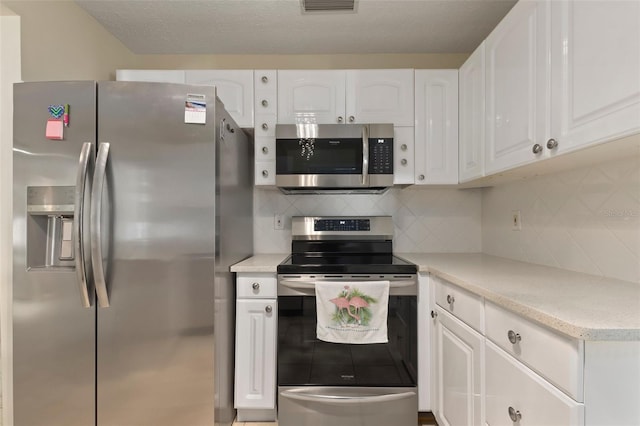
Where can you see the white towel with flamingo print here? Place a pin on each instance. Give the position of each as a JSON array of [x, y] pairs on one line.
[[352, 312]]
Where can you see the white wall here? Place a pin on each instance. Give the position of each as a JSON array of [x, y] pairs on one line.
[[9, 73], [426, 220], [585, 220]]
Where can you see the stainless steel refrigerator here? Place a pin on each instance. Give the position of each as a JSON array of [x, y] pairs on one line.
[[131, 201]]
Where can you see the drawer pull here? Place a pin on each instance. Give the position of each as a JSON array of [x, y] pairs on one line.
[[514, 415], [265, 79], [434, 314], [255, 286], [513, 337], [450, 299], [265, 103], [265, 150], [268, 309], [265, 126]]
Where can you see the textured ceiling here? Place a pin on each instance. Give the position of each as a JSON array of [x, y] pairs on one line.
[[280, 27]]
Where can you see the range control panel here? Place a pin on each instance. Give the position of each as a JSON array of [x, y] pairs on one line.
[[345, 225]]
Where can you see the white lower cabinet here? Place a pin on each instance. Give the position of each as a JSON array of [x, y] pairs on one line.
[[517, 395], [256, 338], [459, 376]]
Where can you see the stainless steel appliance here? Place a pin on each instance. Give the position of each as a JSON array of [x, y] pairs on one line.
[[121, 258], [346, 157], [328, 384]]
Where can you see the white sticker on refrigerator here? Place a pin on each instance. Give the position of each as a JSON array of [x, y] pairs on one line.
[[195, 109]]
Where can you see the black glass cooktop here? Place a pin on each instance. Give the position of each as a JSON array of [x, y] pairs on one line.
[[327, 263]]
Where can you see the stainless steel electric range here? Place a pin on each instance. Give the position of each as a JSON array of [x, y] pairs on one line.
[[331, 384]]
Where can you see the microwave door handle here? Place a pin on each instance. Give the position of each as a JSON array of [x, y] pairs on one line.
[[365, 156]]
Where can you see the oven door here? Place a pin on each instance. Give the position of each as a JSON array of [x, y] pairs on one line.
[[329, 383]]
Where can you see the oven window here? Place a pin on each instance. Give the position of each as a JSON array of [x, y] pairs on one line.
[[323, 156], [305, 360]]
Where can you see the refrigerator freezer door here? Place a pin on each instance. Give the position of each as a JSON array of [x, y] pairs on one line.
[[155, 340], [53, 333]]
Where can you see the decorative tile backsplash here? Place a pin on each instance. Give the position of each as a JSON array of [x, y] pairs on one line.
[[586, 220], [425, 219]]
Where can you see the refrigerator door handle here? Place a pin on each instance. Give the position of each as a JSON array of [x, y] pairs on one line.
[[85, 168], [96, 232]]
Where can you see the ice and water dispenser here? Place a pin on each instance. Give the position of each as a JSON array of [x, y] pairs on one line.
[[50, 226]]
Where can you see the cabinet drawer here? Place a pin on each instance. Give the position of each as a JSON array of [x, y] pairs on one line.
[[256, 286], [265, 148], [557, 358], [461, 303], [265, 172], [512, 387], [265, 81], [265, 125]]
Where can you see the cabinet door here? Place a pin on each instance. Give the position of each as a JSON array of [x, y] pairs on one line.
[[380, 96], [436, 144], [255, 379], [154, 76], [233, 87], [595, 74], [311, 96], [403, 156], [517, 87], [514, 390], [471, 110], [459, 358]]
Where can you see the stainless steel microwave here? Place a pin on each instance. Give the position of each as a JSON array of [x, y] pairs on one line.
[[334, 157]]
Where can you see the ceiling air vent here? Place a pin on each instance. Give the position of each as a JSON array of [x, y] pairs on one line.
[[328, 5]]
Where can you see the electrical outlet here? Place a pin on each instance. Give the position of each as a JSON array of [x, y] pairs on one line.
[[516, 222], [278, 221]]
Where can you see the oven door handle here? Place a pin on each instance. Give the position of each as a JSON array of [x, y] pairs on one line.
[[345, 400], [305, 285]]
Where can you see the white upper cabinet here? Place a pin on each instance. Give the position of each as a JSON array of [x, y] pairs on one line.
[[517, 87], [560, 76], [346, 96], [154, 76], [436, 131], [311, 96], [595, 73], [380, 96], [234, 88], [472, 117]]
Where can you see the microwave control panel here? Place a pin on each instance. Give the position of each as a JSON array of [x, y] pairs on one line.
[[380, 156]]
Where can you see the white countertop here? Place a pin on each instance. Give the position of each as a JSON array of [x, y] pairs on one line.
[[583, 306], [260, 263]]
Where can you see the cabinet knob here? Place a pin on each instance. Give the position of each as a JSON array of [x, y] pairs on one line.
[[265, 150], [434, 314], [340, 119], [403, 161], [265, 126], [552, 143], [255, 286], [268, 309], [537, 148], [450, 299], [265, 173], [351, 119], [265, 103], [421, 177], [514, 415], [513, 337], [265, 79], [403, 147]]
